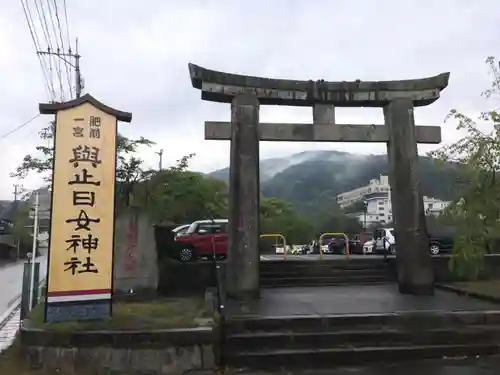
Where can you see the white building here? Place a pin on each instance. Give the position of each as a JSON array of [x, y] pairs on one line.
[[377, 195], [378, 211], [434, 206], [374, 188]]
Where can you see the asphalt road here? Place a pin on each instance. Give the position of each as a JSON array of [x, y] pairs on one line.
[[271, 256], [11, 279]]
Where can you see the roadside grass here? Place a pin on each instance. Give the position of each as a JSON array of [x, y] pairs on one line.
[[488, 288], [162, 313]]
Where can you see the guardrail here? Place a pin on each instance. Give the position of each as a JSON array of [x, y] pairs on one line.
[[276, 235], [320, 241], [12, 315]]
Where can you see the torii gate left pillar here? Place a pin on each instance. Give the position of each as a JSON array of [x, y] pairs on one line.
[[397, 98]]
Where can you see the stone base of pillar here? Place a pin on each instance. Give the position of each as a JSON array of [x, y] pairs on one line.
[[416, 289]]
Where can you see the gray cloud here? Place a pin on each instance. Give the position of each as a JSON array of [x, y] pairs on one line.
[[135, 55]]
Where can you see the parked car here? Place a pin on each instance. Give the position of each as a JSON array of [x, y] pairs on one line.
[[385, 241], [368, 247], [364, 237], [202, 239], [337, 246], [440, 244], [181, 229]]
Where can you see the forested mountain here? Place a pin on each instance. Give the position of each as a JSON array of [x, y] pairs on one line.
[[312, 179]]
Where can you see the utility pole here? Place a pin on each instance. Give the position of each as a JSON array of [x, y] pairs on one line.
[[160, 163], [76, 65], [17, 191], [35, 248]]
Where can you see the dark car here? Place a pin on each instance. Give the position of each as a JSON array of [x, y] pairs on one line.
[[337, 246], [440, 244]]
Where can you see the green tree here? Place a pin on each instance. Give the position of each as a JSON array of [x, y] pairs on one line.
[[21, 220], [130, 170], [278, 217], [476, 212], [178, 195]]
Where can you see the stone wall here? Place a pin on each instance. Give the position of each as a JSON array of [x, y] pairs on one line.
[[186, 278], [172, 352], [135, 256]]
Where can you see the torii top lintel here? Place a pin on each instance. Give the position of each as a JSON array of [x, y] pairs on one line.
[[53, 108], [222, 87]]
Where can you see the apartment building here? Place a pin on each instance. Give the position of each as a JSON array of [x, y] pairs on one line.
[[379, 210], [376, 187]]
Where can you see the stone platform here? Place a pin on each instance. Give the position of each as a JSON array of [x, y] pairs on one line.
[[356, 325], [451, 366], [351, 299]]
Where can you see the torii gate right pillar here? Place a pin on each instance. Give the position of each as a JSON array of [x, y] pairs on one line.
[[414, 265]]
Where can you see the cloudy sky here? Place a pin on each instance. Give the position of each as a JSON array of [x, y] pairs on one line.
[[135, 56]]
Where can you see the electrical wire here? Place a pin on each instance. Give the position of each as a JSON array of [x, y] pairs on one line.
[[58, 65], [10, 132], [62, 47], [46, 32], [36, 42]]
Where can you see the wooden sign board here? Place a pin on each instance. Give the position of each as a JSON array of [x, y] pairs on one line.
[[80, 266]]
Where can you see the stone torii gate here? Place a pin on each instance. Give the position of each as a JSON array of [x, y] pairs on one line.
[[397, 98]]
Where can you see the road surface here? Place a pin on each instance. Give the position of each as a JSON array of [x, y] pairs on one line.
[[312, 257], [11, 280]]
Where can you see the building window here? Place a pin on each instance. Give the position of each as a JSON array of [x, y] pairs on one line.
[[430, 206]]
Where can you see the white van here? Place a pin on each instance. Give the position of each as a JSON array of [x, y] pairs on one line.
[[384, 241]]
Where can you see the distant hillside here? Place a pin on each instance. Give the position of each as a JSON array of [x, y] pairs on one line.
[[312, 179]]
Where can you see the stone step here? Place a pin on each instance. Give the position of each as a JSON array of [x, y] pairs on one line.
[[413, 320], [316, 271], [335, 283], [329, 280], [321, 358], [258, 341], [307, 265]]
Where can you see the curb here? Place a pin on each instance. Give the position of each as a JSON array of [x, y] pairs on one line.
[[461, 292], [4, 318]]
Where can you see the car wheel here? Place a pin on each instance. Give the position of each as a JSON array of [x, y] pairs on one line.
[[435, 249], [186, 254]]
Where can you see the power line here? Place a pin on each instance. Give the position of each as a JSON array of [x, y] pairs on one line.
[[58, 65], [62, 47], [3, 136], [36, 43]]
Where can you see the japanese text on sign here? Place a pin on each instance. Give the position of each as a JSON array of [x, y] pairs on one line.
[[85, 157]]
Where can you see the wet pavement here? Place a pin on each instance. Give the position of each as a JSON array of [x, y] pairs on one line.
[[472, 366], [11, 280], [352, 299]]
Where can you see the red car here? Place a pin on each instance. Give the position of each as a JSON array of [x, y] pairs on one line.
[[203, 238]]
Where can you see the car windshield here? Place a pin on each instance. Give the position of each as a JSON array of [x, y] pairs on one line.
[[192, 228]]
